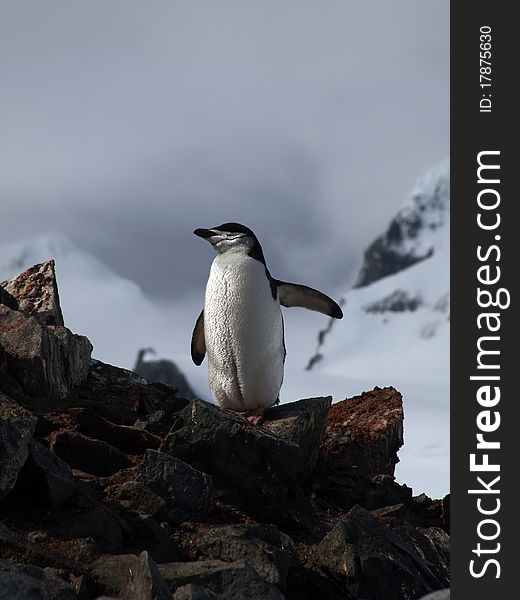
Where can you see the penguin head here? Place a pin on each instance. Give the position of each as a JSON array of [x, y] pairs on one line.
[[229, 237]]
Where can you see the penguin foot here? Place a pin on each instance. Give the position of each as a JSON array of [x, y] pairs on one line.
[[256, 416]]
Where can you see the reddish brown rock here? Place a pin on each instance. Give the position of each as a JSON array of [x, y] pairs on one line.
[[36, 292], [367, 431]]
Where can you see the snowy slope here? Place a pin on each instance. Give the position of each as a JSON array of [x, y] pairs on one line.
[[396, 330]]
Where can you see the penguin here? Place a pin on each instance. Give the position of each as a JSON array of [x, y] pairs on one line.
[[241, 326]]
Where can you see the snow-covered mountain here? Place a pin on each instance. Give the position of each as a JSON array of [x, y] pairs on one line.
[[396, 326], [406, 309], [419, 229]]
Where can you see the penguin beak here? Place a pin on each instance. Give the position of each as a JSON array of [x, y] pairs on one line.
[[204, 233]]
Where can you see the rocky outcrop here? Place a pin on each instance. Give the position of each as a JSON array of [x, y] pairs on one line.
[[118, 487], [366, 431], [36, 293], [46, 361], [357, 550], [410, 237], [187, 493]]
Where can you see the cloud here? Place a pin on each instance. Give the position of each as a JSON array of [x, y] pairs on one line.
[[128, 124]]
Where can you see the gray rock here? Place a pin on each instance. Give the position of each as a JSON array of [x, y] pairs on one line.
[[16, 428], [17, 585], [47, 361], [87, 455], [187, 492], [31, 583], [194, 592], [433, 546], [146, 582], [230, 581], [36, 293], [251, 466], [137, 496], [268, 550], [130, 576], [303, 423], [371, 561]]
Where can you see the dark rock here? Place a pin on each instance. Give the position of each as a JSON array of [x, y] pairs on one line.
[[186, 491], [46, 361], [159, 422], [125, 438], [268, 550], [46, 479], [230, 581], [143, 531], [123, 395], [14, 546], [433, 545], [397, 301], [253, 468], [163, 371], [91, 456], [54, 583], [130, 576], [15, 584], [194, 592], [7, 299], [366, 431], [31, 583], [303, 423], [95, 522], [425, 514], [137, 496], [16, 428], [146, 582], [36, 293], [371, 561]]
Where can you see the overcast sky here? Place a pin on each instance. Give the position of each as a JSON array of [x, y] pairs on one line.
[[127, 124]]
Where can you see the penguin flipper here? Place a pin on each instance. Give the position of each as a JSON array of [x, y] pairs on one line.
[[293, 294], [198, 343]]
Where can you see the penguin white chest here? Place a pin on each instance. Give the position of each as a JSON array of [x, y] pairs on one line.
[[243, 330]]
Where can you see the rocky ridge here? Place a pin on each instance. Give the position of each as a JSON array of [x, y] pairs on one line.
[[113, 486]]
